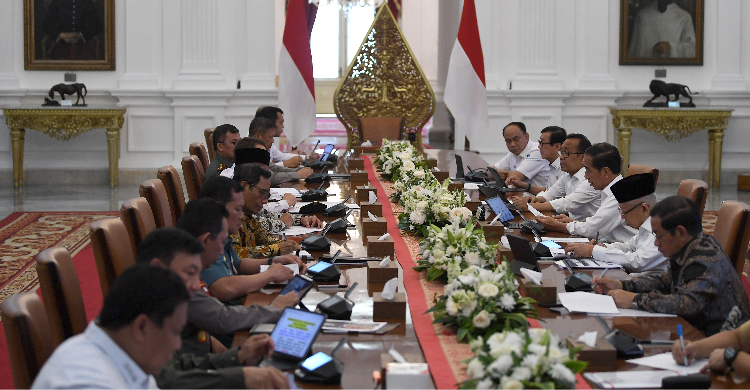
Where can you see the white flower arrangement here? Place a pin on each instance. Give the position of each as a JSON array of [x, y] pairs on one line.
[[410, 176], [432, 203], [395, 156], [452, 248], [532, 358], [480, 302]]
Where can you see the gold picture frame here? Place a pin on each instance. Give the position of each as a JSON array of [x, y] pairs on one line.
[[674, 43], [69, 34]]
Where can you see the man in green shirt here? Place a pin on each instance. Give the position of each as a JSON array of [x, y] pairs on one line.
[[225, 138]]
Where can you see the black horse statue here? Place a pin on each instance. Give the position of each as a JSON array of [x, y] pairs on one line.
[[70, 89]]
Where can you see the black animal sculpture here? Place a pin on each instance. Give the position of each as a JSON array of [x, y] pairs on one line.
[[50, 103], [70, 89], [660, 88]]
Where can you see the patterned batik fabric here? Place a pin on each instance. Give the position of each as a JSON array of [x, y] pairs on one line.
[[253, 241]]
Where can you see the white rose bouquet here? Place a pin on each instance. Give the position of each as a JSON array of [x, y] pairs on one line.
[[393, 155], [432, 204], [522, 359], [481, 302], [410, 176], [449, 250]]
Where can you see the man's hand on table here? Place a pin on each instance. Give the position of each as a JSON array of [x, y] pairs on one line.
[[580, 250], [521, 203], [287, 219], [716, 362], [254, 349], [305, 172], [311, 221], [278, 272], [290, 299], [690, 351], [622, 298], [553, 224], [516, 182], [503, 173], [604, 284], [264, 378], [290, 199], [534, 199], [293, 162], [287, 246], [291, 259]]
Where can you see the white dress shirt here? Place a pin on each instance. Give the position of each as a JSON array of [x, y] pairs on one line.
[[278, 156], [638, 254], [573, 195], [92, 360], [607, 222], [529, 162], [555, 173]]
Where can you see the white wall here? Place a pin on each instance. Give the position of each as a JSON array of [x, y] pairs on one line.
[[561, 57]]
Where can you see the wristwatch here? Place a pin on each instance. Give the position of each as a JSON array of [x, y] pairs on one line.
[[729, 355], [528, 189]]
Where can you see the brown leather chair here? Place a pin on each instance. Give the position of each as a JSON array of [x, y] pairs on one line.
[[635, 169], [208, 134], [695, 190], [30, 343], [156, 195], [172, 183], [374, 129], [112, 252], [61, 291], [138, 218], [198, 150], [732, 231], [193, 174]]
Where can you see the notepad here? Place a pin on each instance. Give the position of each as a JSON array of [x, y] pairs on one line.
[[665, 361], [583, 302]]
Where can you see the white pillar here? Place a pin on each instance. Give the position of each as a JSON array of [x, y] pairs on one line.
[[260, 64], [8, 78], [536, 47], [143, 44], [728, 46], [592, 47], [200, 46]]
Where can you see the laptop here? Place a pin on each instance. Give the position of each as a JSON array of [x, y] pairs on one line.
[[500, 183], [500, 208], [523, 256], [459, 167], [293, 337]]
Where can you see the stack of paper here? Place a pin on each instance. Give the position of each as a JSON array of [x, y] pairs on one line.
[[279, 192], [583, 302]]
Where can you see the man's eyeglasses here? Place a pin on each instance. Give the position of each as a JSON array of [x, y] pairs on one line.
[[543, 143], [264, 193], [567, 154], [625, 213], [659, 236]]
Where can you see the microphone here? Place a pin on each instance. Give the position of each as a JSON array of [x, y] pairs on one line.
[[321, 186], [339, 346], [347, 198], [470, 170], [316, 146], [350, 290]]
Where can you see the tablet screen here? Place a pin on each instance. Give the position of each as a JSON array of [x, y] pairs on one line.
[[551, 244], [499, 208], [319, 266], [297, 284], [315, 361], [296, 331], [326, 152]]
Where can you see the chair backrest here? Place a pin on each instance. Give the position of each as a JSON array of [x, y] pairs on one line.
[[695, 190], [61, 291], [732, 231], [138, 218], [193, 174], [27, 332], [113, 253], [376, 128], [156, 195], [208, 134], [197, 149], [635, 169], [172, 183]]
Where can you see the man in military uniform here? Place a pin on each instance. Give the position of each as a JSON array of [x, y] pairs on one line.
[[225, 138], [264, 130], [700, 283]]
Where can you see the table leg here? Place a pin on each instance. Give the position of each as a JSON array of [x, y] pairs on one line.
[[623, 145], [718, 144], [711, 157], [17, 137], [113, 151]]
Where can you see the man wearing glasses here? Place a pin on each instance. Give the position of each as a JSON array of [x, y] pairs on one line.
[[572, 194], [550, 142], [636, 197], [524, 162], [700, 284]]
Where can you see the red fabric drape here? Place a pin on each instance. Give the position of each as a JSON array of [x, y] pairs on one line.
[[395, 6], [311, 10]]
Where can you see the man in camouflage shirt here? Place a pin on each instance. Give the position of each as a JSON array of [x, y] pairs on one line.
[[700, 284]]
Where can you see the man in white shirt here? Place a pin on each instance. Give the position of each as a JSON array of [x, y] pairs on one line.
[[524, 162], [263, 129], [133, 337], [662, 30], [289, 160], [572, 194], [602, 163], [550, 143], [636, 197]]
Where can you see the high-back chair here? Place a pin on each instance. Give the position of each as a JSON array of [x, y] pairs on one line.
[[156, 195], [138, 218], [61, 291], [208, 134], [30, 343], [193, 174], [172, 183], [376, 128], [695, 190], [635, 169], [197, 149], [732, 231], [112, 251]]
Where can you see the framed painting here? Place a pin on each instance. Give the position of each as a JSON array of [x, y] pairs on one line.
[[661, 32], [69, 34]]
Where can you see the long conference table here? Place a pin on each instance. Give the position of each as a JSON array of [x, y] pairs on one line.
[[362, 353]]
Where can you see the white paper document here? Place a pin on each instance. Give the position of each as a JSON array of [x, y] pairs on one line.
[[299, 230], [294, 267], [588, 263], [583, 302], [665, 361], [634, 313], [471, 186], [569, 240], [281, 191], [534, 211], [628, 379]]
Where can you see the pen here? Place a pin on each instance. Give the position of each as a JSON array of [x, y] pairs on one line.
[[596, 241], [682, 342], [284, 236], [601, 276]]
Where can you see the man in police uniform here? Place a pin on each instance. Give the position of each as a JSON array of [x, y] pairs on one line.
[[636, 197], [224, 139], [524, 162]]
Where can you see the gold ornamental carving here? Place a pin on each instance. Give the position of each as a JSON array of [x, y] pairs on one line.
[[384, 80], [63, 124]]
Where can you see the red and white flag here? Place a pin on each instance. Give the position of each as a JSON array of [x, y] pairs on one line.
[[296, 84], [465, 88]]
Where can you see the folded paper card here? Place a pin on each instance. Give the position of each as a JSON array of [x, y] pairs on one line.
[[588, 338], [533, 276], [385, 261], [372, 216], [373, 197], [389, 290], [384, 237]]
